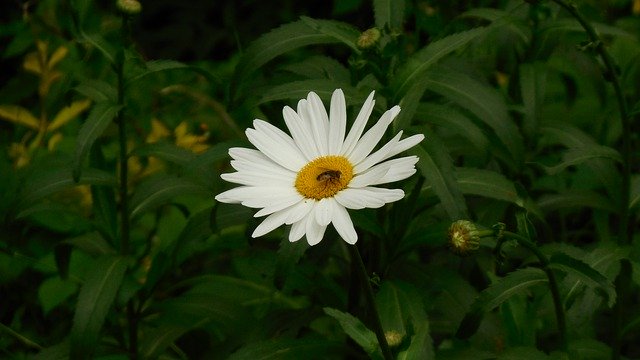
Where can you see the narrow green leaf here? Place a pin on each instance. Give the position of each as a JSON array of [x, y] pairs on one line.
[[97, 90], [99, 118], [270, 45], [634, 200], [54, 291], [576, 156], [501, 18], [487, 183], [165, 151], [98, 42], [389, 13], [483, 101], [341, 31], [416, 66], [91, 243], [320, 67], [437, 167], [589, 349], [49, 181], [288, 256], [586, 273], [523, 353], [159, 190], [96, 298], [56, 352], [289, 349], [532, 89], [576, 199], [409, 105], [156, 66], [300, 89], [514, 283], [356, 330]]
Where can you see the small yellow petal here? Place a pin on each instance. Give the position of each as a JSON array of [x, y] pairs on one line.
[[158, 131], [57, 56], [19, 115], [69, 113]]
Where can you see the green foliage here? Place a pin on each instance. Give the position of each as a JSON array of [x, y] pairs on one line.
[[112, 245]]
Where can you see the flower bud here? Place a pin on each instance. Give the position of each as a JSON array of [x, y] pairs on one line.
[[464, 237], [368, 38], [394, 338], [129, 7]]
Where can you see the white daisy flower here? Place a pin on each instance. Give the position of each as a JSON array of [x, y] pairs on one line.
[[309, 179]]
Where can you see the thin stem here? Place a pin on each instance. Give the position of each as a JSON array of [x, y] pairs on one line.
[[553, 283], [123, 189], [368, 292]]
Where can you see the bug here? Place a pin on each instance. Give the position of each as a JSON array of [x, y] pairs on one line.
[[329, 176]]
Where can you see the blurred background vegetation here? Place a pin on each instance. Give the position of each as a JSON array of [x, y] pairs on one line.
[[523, 128]]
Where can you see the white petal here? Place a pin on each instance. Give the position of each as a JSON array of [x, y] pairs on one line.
[[388, 195], [377, 156], [314, 231], [405, 144], [300, 211], [244, 193], [280, 204], [322, 211], [367, 197], [358, 125], [343, 224], [257, 179], [276, 145], [301, 134], [337, 122], [249, 155], [369, 177], [371, 138], [266, 167], [297, 230], [270, 223], [399, 169], [318, 120]]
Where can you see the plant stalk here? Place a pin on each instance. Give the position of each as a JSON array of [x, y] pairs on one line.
[[368, 293], [553, 283]]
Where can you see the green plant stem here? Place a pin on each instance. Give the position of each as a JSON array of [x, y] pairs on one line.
[[553, 283], [123, 188], [626, 223], [371, 303]]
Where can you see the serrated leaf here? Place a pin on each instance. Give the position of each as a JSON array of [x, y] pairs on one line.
[[274, 43], [20, 116], [389, 12], [341, 31], [97, 90], [96, 298], [491, 297], [585, 273], [487, 183], [99, 118], [437, 167], [320, 67], [156, 191], [98, 42], [356, 330], [68, 113], [455, 121], [417, 65], [576, 156], [485, 102], [50, 181]]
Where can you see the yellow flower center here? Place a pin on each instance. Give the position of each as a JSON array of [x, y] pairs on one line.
[[324, 177]]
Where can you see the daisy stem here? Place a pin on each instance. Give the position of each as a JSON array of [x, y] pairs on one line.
[[553, 282], [371, 303]]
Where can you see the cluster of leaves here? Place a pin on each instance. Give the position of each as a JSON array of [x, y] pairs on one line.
[[111, 245]]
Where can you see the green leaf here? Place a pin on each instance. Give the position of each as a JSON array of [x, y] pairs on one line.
[[589, 349], [165, 151], [49, 181], [585, 273], [288, 256], [97, 90], [288, 349], [99, 118], [341, 31], [523, 353], [485, 102], [409, 105], [96, 298], [501, 18], [634, 200], [320, 67], [437, 167], [91, 243], [159, 190], [533, 79], [54, 291], [576, 199], [389, 13], [487, 183], [98, 42], [490, 298], [300, 89], [356, 330], [416, 66], [156, 66], [277, 42], [576, 156]]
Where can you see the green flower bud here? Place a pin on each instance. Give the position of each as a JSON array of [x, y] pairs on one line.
[[394, 338], [464, 237], [368, 38], [129, 7]]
